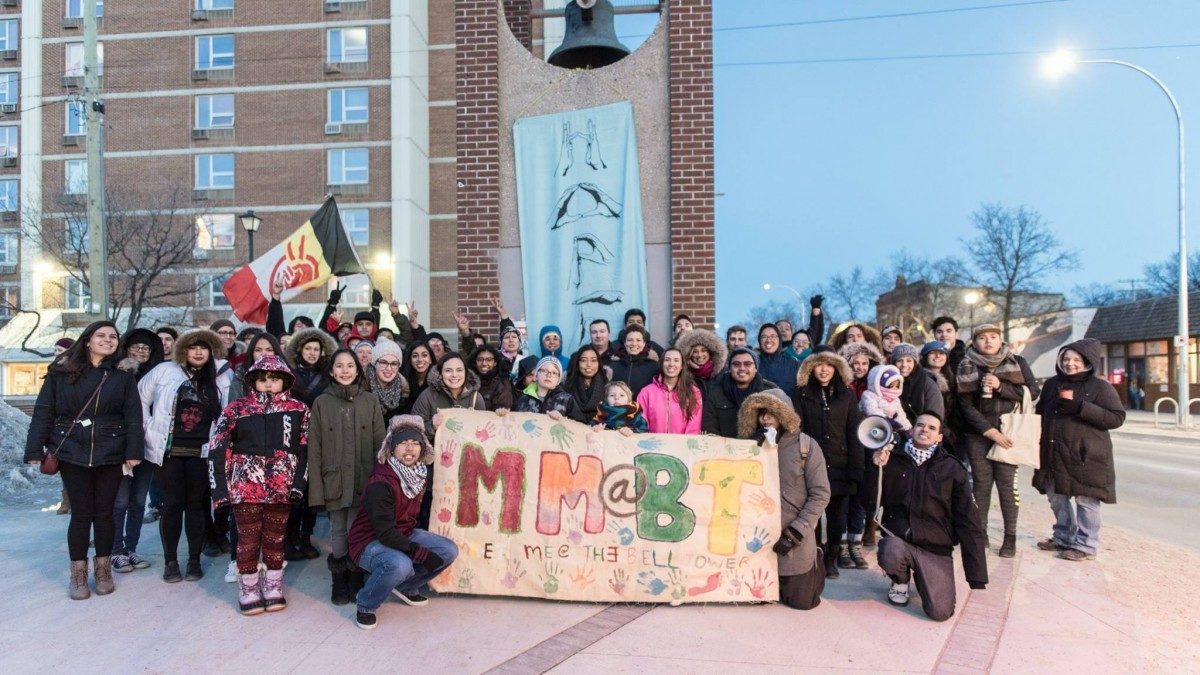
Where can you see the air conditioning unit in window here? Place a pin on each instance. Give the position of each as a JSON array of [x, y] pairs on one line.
[[9, 216], [200, 15], [72, 81], [71, 139], [333, 7], [72, 22], [199, 75], [8, 107], [8, 162], [333, 128], [8, 3], [333, 67], [8, 55], [333, 189], [199, 134]]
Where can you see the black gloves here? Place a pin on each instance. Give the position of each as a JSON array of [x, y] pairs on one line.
[[816, 301], [1070, 406], [335, 296], [376, 298], [977, 585], [787, 541], [423, 557]]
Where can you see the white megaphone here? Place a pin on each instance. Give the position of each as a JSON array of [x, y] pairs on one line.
[[875, 432]]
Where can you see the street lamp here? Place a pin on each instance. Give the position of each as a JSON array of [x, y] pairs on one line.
[[1063, 61], [767, 287], [250, 222], [972, 298]]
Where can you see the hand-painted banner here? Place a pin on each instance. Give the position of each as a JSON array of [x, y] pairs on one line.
[[555, 510]]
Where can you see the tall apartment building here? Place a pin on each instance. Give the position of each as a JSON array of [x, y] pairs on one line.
[[219, 107]]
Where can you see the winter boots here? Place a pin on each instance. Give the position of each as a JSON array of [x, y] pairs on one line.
[[339, 570], [272, 591], [64, 507], [870, 533], [1009, 548], [857, 557], [79, 586], [844, 560], [103, 571], [250, 599], [831, 561]]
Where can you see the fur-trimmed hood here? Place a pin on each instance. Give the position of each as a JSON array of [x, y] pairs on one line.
[[838, 339], [943, 384], [715, 345], [302, 337], [839, 365], [773, 401], [399, 423], [199, 336], [434, 380], [850, 350]]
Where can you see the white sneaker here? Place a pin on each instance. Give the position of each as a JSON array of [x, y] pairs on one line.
[[898, 595], [231, 573]]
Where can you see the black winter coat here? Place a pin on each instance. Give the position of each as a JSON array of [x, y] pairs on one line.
[[931, 506], [110, 430], [1077, 453], [719, 414], [781, 368], [559, 399], [977, 414], [637, 371], [831, 417]]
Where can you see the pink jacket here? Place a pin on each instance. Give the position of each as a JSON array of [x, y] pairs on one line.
[[663, 412]]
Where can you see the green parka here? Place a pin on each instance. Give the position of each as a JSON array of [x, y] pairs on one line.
[[345, 431]]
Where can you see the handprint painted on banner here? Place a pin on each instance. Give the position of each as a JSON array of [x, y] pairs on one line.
[[530, 427], [454, 425], [513, 573], [444, 514], [760, 582], [449, 452], [762, 502], [465, 579], [678, 590], [760, 539], [735, 583], [624, 534], [573, 534], [650, 444], [650, 581], [508, 428], [693, 444], [618, 581], [485, 432], [583, 576], [562, 436], [550, 580]]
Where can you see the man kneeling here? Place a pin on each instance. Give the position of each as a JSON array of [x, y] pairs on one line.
[[384, 540], [927, 509]]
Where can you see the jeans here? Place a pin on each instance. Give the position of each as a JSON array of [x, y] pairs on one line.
[[340, 521], [390, 568], [93, 491], [129, 509], [1076, 526]]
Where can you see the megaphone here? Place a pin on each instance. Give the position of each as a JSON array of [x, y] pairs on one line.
[[875, 432]]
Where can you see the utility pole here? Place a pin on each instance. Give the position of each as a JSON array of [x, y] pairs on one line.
[[93, 110]]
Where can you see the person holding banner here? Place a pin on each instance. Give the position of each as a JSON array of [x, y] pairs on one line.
[[384, 539], [803, 488]]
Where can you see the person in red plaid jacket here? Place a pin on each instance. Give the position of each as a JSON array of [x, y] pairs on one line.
[[259, 454]]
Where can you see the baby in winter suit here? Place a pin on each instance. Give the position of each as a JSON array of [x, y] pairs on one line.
[[882, 396], [619, 411]]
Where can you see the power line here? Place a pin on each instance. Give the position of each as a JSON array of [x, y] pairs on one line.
[[894, 15], [945, 55]]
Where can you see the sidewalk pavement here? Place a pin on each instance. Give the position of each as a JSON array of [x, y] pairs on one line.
[[1121, 613], [1140, 424]]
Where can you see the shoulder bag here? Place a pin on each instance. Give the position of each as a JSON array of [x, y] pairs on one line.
[[1024, 428]]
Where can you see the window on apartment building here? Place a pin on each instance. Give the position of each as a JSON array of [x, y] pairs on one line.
[[9, 194], [348, 166], [214, 112], [76, 296], [8, 35], [214, 52], [358, 289], [8, 141], [9, 87], [75, 8], [77, 235], [358, 225], [208, 293], [348, 106], [9, 245], [10, 297], [214, 172], [75, 177], [347, 45], [215, 232], [76, 124], [214, 4], [74, 59]]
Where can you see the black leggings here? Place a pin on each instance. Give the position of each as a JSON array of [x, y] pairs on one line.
[[183, 482], [93, 492], [836, 514]]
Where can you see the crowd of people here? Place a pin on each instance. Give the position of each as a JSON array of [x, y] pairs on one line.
[[238, 440]]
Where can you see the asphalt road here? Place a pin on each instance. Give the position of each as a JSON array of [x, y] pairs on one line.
[[1158, 489]]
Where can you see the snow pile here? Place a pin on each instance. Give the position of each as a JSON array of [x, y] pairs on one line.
[[20, 482]]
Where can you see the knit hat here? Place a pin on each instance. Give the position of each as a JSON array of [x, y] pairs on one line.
[[366, 342], [548, 359], [931, 346], [65, 343], [398, 430], [904, 349], [744, 350], [987, 328], [386, 347], [821, 349], [364, 316], [891, 329], [217, 325], [509, 329]]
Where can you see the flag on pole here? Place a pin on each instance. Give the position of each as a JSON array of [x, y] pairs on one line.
[[306, 259]]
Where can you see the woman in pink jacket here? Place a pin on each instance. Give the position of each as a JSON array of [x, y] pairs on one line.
[[671, 402]]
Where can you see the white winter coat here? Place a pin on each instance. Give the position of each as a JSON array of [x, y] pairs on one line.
[[158, 389]]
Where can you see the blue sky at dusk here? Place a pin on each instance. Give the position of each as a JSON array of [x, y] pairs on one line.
[[848, 154]]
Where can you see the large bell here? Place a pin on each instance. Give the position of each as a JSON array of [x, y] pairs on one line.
[[591, 39]]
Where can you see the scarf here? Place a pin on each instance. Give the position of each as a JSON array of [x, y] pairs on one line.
[[1003, 364], [918, 455], [618, 416], [703, 372], [737, 395], [390, 394], [889, 394], [412, 478]]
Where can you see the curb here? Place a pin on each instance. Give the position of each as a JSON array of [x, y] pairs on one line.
[[1151, 436], [975, 638]]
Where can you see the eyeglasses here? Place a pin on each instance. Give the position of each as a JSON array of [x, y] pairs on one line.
[[227, 333], [391, 365], [139, 348]]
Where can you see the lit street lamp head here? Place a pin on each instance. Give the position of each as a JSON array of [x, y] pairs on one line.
[[766, 287], [1059, 63]]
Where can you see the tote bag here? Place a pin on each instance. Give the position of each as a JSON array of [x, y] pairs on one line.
[[1024, 428]]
